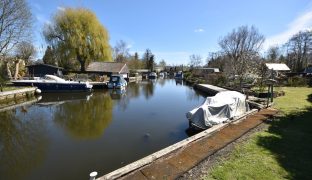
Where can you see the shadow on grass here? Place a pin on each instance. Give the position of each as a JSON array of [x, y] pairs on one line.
[[310, 98], [291, 143]]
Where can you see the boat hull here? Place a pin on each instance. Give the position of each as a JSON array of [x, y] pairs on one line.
[[57, 87]]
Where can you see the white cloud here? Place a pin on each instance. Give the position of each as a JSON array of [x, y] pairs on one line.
[[59, 8], [302, 22], [199, 30]]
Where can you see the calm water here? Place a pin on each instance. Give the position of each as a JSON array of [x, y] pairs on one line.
[[67, 136]]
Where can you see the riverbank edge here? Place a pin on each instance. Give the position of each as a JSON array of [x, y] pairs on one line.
[[123, 171], [15, 95]]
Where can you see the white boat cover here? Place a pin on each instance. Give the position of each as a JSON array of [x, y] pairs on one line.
[[224, 106]]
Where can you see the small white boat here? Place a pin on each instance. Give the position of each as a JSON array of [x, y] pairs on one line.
[[152, 75], [51, 83]]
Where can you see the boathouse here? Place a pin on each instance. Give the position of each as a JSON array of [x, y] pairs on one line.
[[108, 68], [40, 70]]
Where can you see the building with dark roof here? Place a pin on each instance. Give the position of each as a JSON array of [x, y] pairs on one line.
[[108, 68], [40, 70]]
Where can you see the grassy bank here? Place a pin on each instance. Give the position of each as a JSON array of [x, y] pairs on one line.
[[284, 151], [9, 88]]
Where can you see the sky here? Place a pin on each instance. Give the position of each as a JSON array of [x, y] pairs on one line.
[[175, 29]]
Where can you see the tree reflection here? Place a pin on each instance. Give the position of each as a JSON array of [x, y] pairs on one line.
[[148, 89], [161, 81], [133, 90], [22, 144], [86, 119]]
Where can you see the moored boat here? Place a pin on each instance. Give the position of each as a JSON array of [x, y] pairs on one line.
[[51, 83], [152, 75], [179, 75], [116, 81]]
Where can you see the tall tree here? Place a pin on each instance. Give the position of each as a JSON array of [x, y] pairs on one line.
[[121, 51], [195, 60], [273, 53], [24, 50], [77, 33], [299, 50], [162, 63], [48, 57], [149, 59], [242, 45], [15, 24]]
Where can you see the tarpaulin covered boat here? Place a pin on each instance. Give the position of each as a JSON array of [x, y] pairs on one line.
[[222, 107]]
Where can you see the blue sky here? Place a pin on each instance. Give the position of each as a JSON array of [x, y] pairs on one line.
[[175, 29]]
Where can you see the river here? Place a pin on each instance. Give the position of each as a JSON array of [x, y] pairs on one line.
[[69, 135]]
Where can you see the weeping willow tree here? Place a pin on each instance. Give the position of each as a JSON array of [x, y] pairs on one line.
[[76, 33]]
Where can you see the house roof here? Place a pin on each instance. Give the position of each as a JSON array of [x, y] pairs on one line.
[[277, 66], [112, 67], [210, 69]]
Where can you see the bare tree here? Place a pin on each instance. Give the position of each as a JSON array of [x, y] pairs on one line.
[[241, 46], [121, 51], [24, 50], [15, 23], [195, 60], [299, 50], [162, 63]]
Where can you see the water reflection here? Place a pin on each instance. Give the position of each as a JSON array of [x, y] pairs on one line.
[[117, 93], [23, 144], [81, 131], [85, 119], [148, 88], [179, 82]]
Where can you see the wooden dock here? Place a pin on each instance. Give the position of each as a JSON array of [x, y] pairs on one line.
[[209, 89]]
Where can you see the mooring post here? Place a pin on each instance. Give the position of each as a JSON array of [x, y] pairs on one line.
[[93, 175]]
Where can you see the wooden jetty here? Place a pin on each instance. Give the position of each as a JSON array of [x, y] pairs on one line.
[[209, 89]]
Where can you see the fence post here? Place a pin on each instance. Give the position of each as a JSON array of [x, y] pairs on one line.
[[93, 175]]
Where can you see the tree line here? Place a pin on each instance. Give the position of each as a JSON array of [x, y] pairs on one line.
[[240, 56]]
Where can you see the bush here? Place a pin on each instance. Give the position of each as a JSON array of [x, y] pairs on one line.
[[297, 81]]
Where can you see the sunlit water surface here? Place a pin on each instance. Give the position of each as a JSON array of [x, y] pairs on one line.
[[67, 136]]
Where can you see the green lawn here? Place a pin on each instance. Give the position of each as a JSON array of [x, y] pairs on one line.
[[9, 88], [284, 151]]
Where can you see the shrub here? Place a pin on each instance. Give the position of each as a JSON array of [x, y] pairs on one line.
[[297, 81]]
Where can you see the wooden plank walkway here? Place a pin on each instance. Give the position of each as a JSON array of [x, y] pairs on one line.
[[173, 161]]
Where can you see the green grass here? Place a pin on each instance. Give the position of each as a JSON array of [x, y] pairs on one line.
[[284, 151], [9, 88]]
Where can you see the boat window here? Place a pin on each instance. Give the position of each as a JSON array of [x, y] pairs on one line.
[[114, 78]]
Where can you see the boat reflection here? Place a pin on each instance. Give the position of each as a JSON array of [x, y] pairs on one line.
[[60, 98], [179, 82], [117, 93]]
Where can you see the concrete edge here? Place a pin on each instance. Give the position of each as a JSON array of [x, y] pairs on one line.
[[19, 105], [17, 91], [161, 153]]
